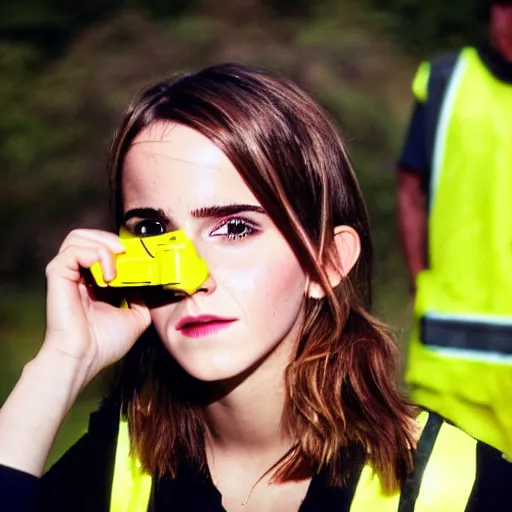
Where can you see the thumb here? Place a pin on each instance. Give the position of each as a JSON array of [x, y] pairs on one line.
[[137, 316]]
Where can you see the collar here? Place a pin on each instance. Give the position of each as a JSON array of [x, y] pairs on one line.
[[496, 63]]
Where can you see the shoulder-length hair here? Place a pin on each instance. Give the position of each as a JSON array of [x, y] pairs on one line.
[[343, 402]]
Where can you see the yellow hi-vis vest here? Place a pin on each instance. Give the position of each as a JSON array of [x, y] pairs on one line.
[[442, 482], [460, 358]]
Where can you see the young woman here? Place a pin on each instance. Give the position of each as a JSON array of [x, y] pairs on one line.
[[271, 388]]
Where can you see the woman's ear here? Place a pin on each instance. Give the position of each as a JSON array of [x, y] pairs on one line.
[[343, 256]]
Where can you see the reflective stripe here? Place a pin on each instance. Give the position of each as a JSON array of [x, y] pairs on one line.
[[471, 317], [131, 487], [450, 474], [444, 118], [441, 72], [472, 356], [470, 335], [369, 495]]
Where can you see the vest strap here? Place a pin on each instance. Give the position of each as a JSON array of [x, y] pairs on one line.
[[440, 75], [450, 474], [411, 487], [131, 486], [468, 334]]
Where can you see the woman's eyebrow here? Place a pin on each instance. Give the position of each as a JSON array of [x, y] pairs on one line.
[[224, 210], [145, 213], [204, 212]]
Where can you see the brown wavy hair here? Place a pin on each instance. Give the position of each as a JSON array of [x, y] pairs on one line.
[[343, 402]]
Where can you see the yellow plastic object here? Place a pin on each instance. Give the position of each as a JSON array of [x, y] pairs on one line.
[[169, 260]]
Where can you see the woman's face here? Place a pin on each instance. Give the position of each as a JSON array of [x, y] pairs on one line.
[[175, 178]]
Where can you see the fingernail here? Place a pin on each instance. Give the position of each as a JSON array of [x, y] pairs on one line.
[[120, 247], [108, 277]]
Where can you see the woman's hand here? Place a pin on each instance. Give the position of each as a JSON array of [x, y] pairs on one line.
[[83, 335], [92, 333]]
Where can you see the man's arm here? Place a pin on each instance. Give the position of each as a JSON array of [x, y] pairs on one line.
[[413, 173], [412, 220]]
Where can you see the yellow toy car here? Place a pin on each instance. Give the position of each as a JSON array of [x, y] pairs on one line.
[[169, 260]]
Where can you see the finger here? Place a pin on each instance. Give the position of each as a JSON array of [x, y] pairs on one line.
[[78, 242], [112, 240], [89, 237], [68, 263], [90, 244], [138, 316]]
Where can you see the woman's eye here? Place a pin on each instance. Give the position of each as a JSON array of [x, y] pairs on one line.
[[234, 229], [148, 228]]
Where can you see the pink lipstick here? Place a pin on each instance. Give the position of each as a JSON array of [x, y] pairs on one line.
[[203, 325]]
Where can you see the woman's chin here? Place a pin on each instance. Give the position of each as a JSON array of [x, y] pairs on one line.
[[215, 368]]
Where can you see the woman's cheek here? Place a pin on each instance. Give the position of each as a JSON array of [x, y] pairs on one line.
[[265, 277], [242, 280], [163, 316]]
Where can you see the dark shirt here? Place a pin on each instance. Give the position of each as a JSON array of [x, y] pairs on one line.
[[81, 481], [195, 491], [414, 156], [191, 491]]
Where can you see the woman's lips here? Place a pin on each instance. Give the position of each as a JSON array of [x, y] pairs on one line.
[[203, 326]]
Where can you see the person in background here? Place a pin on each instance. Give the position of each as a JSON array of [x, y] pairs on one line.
[[455, 219]]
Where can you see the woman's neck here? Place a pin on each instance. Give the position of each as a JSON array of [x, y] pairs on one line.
[[246, 417]]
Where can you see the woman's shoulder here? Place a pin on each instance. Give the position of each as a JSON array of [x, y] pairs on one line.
[[448, 475], [104, 421], [457, 468], [81, 478], [99, 440], [453, 472]]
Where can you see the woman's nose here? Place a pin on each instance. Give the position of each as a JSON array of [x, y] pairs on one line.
[[208, 285]]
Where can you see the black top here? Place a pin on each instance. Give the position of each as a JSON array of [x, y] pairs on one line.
[[81, 481], [191, 492], [195, 492], [414, 156]]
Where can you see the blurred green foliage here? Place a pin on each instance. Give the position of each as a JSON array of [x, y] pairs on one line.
[[68, 69], [420, 27]]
